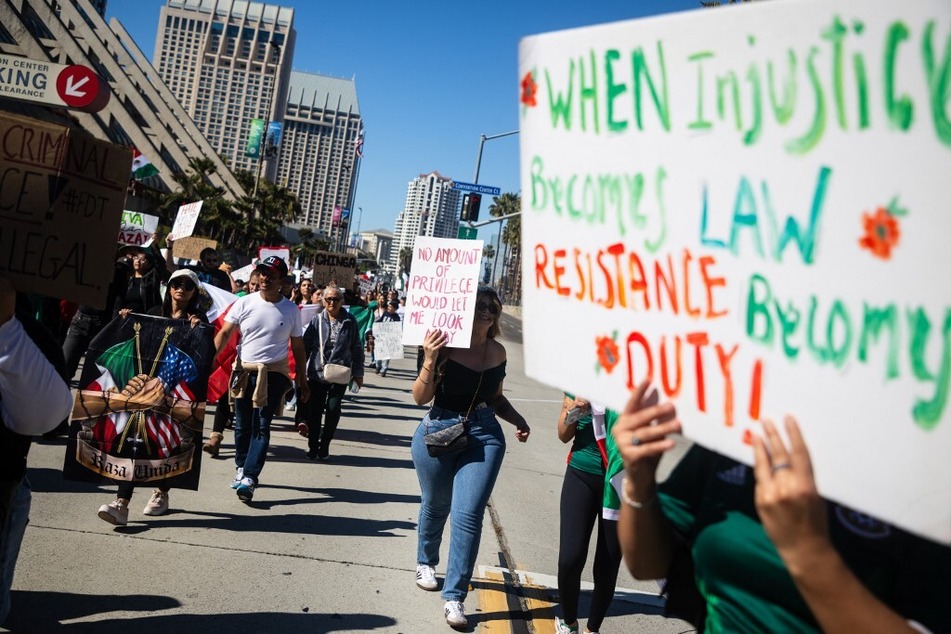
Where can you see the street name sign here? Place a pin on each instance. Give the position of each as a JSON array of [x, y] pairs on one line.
[[487, 190], [39, 81]]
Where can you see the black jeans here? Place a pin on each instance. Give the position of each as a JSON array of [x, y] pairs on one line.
[[322, 413], [81, 331], [581, 503], [126, 489]]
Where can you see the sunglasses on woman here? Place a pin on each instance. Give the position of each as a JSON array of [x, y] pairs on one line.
[[492, 308], [184, 285], [331, 300]]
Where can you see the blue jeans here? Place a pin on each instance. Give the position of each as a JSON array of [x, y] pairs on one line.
[[11, 536], [252, 425], [459, 484]]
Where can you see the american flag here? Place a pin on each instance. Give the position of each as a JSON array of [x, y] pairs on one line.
[[175, 369], [360, 144]]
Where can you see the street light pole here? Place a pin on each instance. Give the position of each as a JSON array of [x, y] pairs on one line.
[[475, 180]]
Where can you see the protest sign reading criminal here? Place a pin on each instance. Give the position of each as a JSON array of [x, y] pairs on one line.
[[748, 208], [61, 201], [441, 290]]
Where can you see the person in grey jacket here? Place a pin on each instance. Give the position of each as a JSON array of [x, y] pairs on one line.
[[332, 337]]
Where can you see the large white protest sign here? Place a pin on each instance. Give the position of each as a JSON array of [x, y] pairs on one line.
[[185, 220], [441, 291], [137, 228], [749, 207], [388, 340]]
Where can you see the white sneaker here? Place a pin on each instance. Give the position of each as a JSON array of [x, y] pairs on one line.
[[157, 504], [238, 475], [116, 512], [426, 577], [245, 489], [455, 614], [563, 628]]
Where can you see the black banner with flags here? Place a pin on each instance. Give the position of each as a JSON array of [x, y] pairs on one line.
[[139, 412]]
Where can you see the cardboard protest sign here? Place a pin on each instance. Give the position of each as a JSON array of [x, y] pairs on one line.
[[148, 429], [60, 203], [137, 228], [334, 267], [388, 340], [441, 291], [190, 248], [185, 220], [748, 207]]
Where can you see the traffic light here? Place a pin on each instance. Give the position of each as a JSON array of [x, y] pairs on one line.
[[470, 207]]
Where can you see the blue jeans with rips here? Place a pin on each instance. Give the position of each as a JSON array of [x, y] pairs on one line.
[[11, 536], [252, 425], [457, 484]]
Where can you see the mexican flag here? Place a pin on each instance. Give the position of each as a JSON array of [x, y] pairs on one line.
[[141, 166]]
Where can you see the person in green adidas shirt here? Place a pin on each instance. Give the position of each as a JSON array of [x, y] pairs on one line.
[[769, 554], [587, 495]]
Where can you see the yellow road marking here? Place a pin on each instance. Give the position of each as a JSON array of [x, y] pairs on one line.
[[493, 595]]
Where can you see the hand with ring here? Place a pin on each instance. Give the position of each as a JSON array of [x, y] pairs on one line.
[[787, 500], [642, 433]]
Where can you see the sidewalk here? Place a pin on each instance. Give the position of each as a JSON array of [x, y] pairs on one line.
[[324, 546]]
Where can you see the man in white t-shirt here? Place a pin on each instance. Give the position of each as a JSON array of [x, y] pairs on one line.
[[266, 320]]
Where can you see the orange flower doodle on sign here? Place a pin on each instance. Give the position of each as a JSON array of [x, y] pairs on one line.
[[882, 230], [529, 88], [609, 355]]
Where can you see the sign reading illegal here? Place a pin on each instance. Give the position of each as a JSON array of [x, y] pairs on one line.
[[72, 86]]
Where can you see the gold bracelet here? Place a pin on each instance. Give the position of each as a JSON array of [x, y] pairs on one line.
[[420, 379], [426, 367], [634, 504]]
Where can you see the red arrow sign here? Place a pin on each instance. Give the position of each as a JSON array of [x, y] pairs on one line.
[[77, 86]]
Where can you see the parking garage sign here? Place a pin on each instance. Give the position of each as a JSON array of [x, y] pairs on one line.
[[39, 81]]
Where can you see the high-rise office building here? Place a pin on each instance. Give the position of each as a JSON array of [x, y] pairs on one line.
[[227, 62], [319, 151], [431, 209]]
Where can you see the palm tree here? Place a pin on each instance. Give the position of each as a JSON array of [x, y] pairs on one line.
[[505, 205], [488, 252], [406, 259]]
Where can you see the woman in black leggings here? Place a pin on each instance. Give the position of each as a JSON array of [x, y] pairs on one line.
[[584, 500]]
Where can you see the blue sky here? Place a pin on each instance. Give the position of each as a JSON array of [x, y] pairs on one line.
[[431, 78]]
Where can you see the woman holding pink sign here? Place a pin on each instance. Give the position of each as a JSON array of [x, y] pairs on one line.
[[458, 448]]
